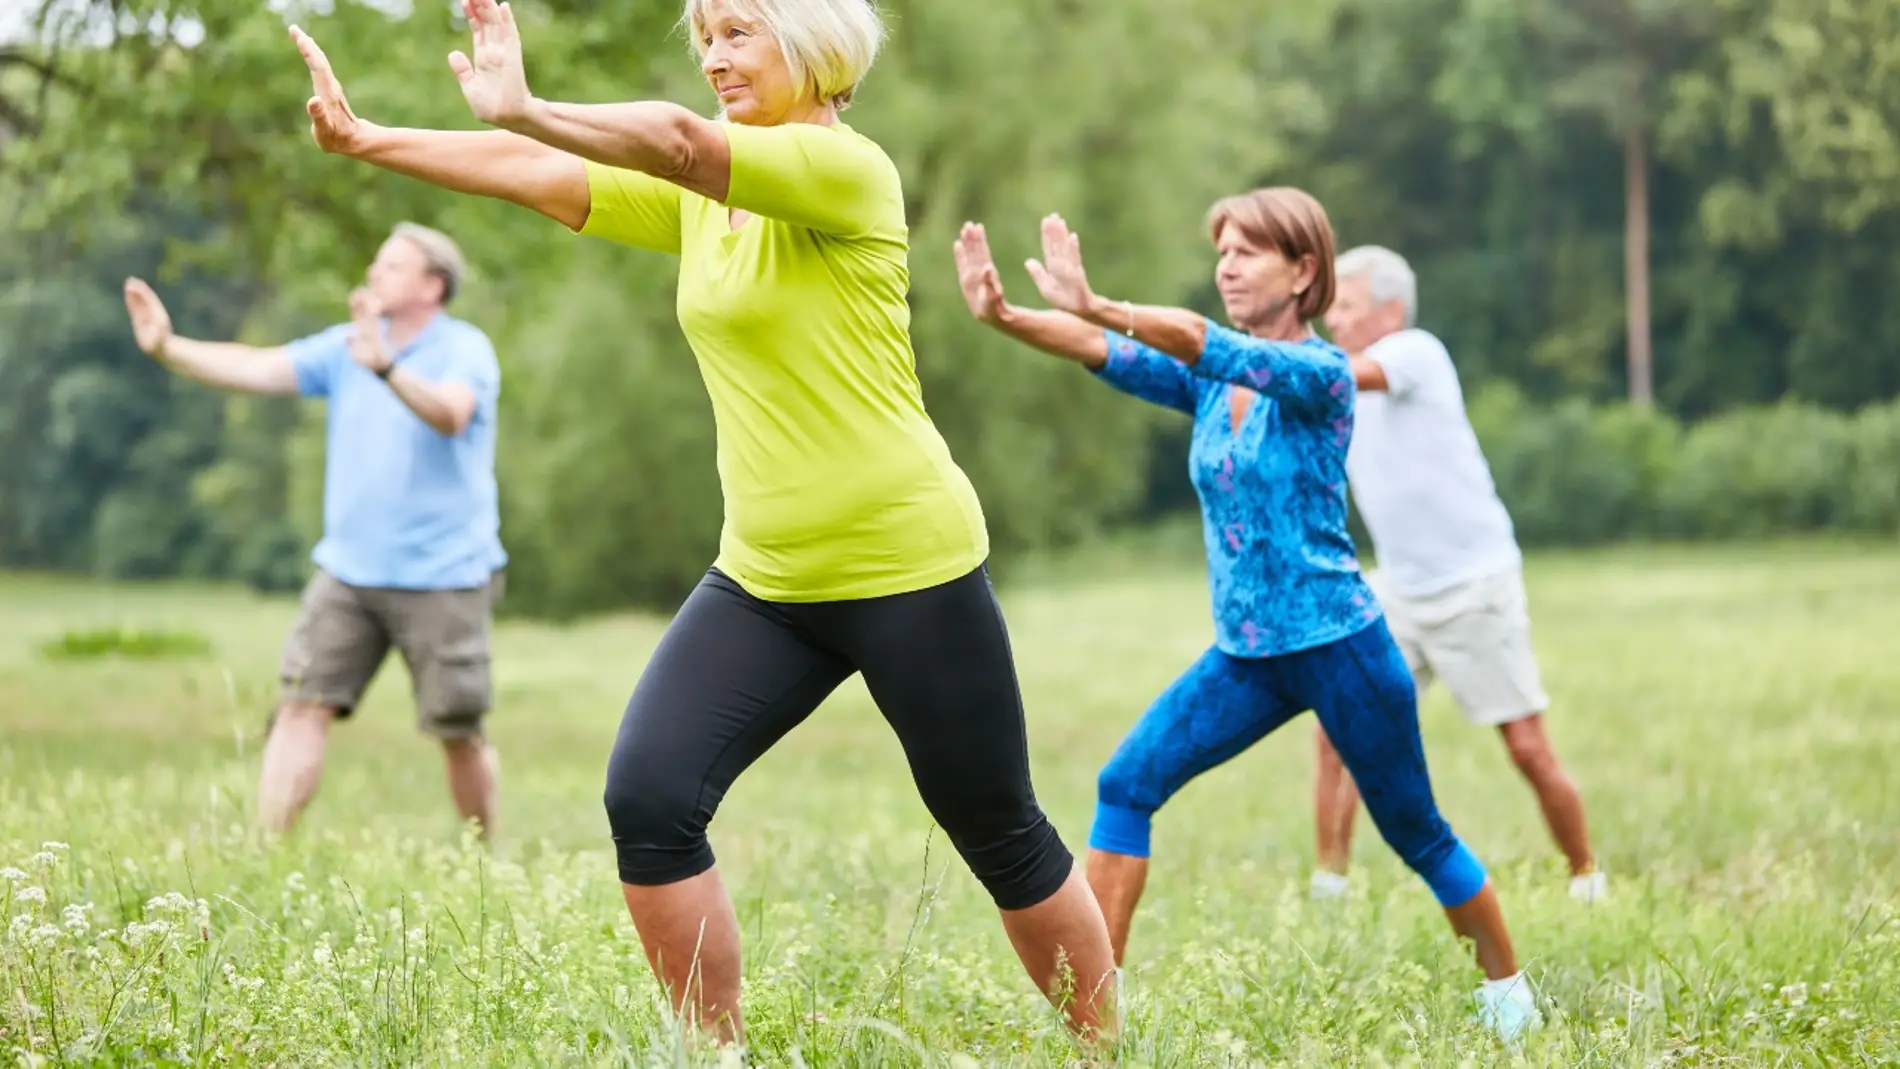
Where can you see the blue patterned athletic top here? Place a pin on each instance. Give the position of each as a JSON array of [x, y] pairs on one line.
[[1281, 568]]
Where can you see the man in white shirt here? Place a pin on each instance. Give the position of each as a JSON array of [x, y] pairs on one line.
[[1450, 575]]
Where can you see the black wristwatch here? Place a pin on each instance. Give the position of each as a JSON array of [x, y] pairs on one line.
[[383, 372]]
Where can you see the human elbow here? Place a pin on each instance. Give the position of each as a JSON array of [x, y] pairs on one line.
[[691, 152], [676, 143], [453, 416], [456, 420]]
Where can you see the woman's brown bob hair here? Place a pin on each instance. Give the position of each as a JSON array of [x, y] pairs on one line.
[[1291, 221]]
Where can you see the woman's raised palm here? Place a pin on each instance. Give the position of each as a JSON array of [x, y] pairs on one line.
[[1059, 275], [494, 81], [333, 126]]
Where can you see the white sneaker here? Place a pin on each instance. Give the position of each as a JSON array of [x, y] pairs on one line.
[[1508, 1007], [1329, 885], [1590, 887]]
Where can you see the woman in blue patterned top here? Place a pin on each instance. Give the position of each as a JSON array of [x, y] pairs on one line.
[[1296, 626]]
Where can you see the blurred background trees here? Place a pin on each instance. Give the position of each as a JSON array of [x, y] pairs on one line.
[[1656, 235]]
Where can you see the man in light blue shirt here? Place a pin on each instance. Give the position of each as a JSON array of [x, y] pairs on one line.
[[411, 553]]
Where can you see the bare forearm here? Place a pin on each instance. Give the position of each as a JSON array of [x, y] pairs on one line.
[[485, 163], [230, 366], [447, 407], [1057, 333], [651, 136], [1367, 373], [1176, 331]]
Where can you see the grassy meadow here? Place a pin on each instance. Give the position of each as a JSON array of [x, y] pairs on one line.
[[1731, 714]]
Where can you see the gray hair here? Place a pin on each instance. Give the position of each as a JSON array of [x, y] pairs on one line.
[[1388, 277], [440, 252]]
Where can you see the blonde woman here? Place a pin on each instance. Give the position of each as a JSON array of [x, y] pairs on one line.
[[852, 543]]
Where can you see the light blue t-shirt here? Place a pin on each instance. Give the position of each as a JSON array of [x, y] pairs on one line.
[[405, 506]]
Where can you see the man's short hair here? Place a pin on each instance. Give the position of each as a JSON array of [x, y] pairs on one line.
[[440, 252], [1388, 277]]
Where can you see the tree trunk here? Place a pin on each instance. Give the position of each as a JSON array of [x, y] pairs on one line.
[[1636, 263]]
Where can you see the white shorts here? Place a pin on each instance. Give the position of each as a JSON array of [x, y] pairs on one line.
[[1477, 638]]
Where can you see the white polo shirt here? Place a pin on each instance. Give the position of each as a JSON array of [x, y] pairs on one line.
[[1418, 477]]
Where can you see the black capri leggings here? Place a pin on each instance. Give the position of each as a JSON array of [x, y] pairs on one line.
[[734, 674]]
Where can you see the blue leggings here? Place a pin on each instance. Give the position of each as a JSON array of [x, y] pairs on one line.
[[1365, 698]]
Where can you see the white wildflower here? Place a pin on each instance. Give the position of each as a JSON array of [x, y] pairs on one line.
[[45, 935], [35, 895], [321, 955], [74, 917], [46, 859], [12, 875], [136, 934], [49, 845]]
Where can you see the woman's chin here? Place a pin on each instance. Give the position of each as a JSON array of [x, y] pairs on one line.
[[742, 110]]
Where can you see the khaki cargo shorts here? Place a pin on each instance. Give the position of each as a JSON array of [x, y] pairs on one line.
[[1477, 638], [344, 633]]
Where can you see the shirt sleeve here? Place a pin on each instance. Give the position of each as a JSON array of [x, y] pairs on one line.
[[632, 208], [472, 363], [1312, 380], [1152, 375], [315, 359], [1412, 362], [818, 177]]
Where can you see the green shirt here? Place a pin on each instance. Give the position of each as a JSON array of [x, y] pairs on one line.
[[837, 485]]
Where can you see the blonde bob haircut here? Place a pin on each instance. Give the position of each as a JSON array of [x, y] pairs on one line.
[[829, 45]]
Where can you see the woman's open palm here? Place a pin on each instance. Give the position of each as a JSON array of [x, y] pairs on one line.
[[151, 324], [494, 80], [1059, 275], [976, 274], [332, 124]]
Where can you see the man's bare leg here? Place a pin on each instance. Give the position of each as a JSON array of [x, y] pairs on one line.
[[1117, 881], [1335, 807], [474, 768], [1557, 793], [293, 763]]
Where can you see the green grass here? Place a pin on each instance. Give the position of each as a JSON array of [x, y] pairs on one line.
[[1730, 714]]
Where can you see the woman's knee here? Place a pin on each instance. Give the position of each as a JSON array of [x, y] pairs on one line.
[[1450, 869], [657, 820], [1127, 782], [1410, 823], [1530, 748], [1011, 849]]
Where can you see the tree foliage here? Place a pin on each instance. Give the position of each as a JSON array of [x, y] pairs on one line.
[[1489, 140]]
